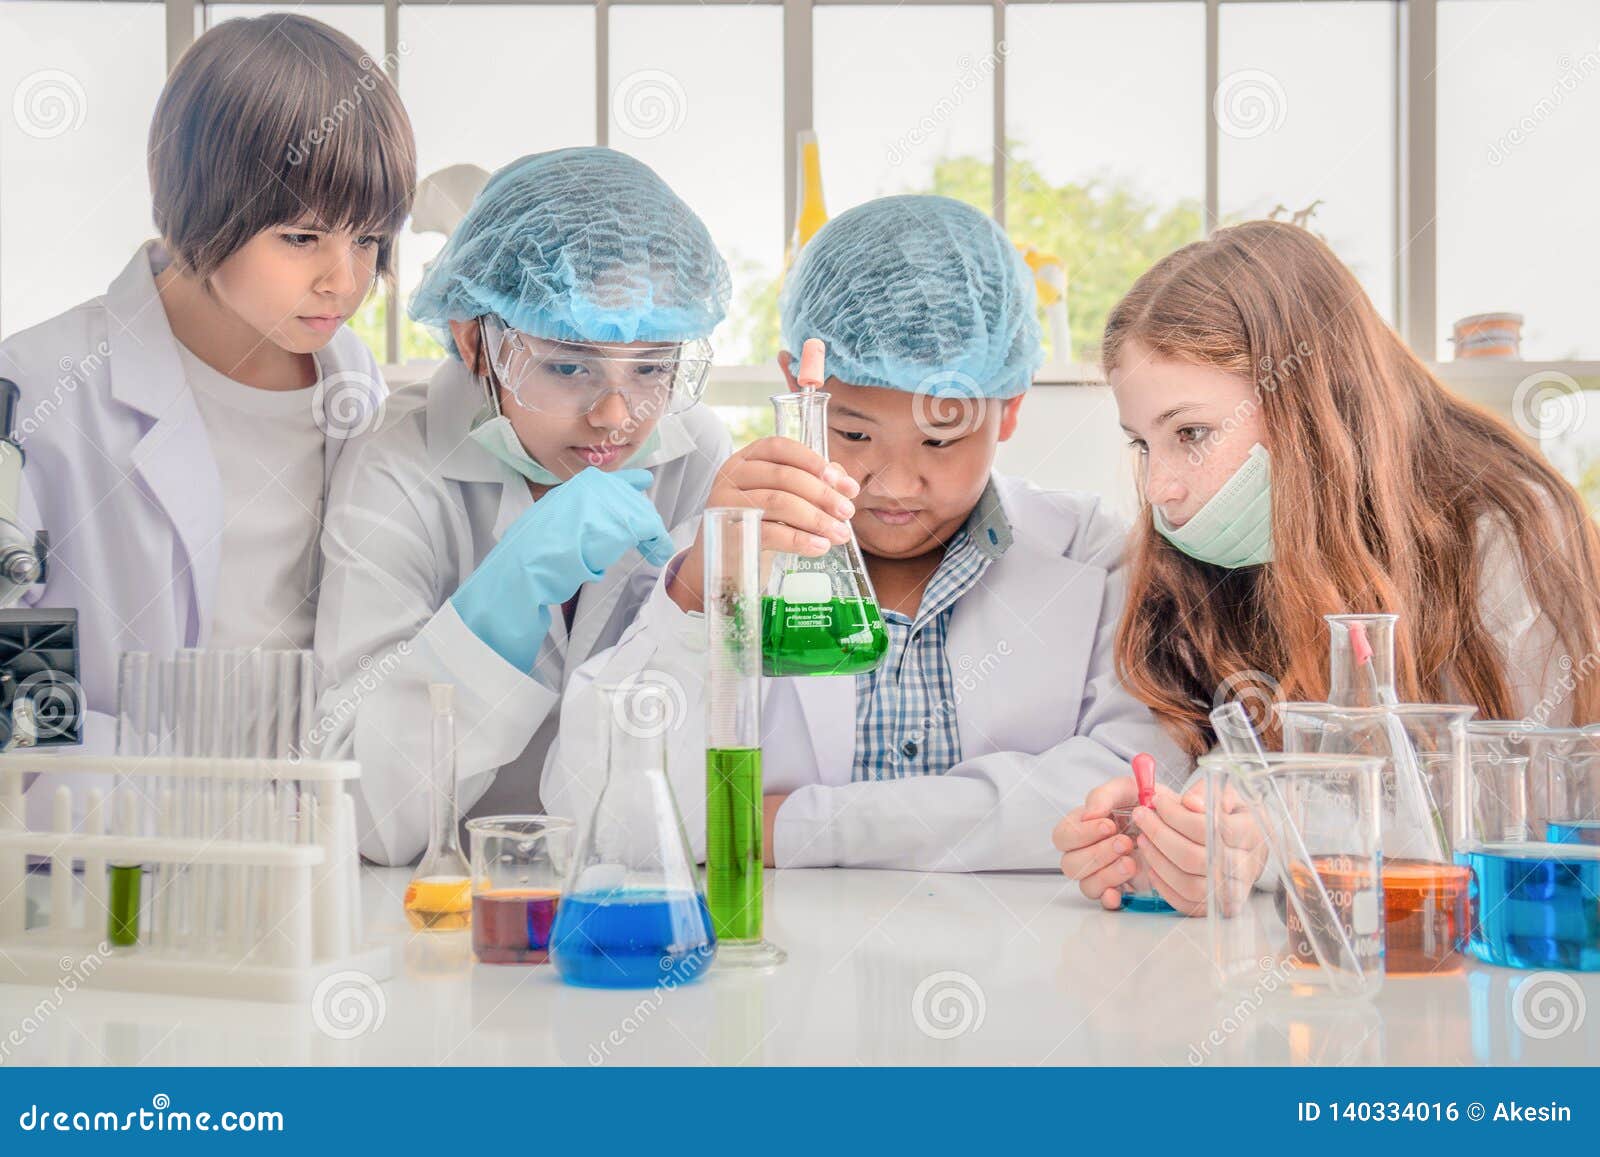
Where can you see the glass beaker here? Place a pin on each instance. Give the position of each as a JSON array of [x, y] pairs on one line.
[[518, 865], [734, 813], [819, 616], [633, 913], [1138, 894], [439, 896], [1321, 933], [1361, 660], [1428, 901], [1528, 829], [1498, 756]]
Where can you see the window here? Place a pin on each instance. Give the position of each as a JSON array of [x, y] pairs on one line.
[[78, 94], [1108, 132], [1519, 103], [1305, 111], [903, 100], [697, 94], [486, 84], [1105, 164]]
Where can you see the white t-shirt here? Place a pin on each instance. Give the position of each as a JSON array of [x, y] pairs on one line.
[[269, 451]]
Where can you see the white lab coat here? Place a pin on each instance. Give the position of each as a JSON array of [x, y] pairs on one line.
[[414, 509], [119, 470], [1041, 714]]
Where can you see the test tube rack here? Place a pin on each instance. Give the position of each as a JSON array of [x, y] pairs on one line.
[[262, 904]]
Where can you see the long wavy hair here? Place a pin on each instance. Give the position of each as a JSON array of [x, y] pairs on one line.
[[1380, 477]]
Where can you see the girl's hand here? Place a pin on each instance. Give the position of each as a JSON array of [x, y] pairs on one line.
[[1241, 857], [804, 502], [1092, 852], [1172, 839]]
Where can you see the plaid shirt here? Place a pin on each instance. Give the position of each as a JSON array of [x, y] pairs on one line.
[[906, 709]]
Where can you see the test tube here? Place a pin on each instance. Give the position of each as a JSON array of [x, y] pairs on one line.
[[168, 684], [133, 740], [126, 881], [734, 882], [189, 678], [95, 899], [61, 863]]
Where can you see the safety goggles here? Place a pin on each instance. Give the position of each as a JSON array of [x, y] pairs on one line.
[[569, 379]]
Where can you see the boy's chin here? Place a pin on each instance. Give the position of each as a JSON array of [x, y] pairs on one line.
[[896, 542], [301, 343]]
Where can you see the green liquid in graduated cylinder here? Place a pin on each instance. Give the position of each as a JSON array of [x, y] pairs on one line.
[[123, 924], [837, 637], [733, 841]]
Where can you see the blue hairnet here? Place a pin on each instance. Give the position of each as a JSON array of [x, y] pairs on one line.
[[923, 294], [583, 245]]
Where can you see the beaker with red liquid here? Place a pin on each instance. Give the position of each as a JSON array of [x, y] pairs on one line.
[[518, 864]]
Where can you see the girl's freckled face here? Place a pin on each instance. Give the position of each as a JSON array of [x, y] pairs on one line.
[[1193, 426]]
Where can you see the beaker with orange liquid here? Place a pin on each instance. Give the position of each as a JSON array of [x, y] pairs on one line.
[[1428, 907], [1321, 932]]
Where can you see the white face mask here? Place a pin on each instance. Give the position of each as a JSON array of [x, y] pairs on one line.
[[1234, 528], [492, 430]]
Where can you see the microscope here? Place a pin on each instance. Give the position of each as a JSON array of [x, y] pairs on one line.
[[41, 702]]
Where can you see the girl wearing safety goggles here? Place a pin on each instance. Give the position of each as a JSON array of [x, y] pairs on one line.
[[507, 520]]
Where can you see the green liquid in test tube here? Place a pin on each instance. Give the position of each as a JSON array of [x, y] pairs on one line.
[[734, 854], [137, 723], [733, 842], [123, 917]]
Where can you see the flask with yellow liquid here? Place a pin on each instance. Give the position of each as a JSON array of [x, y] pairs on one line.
[[439, 897]]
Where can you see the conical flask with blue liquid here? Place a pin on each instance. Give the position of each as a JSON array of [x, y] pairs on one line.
[[633, 914]]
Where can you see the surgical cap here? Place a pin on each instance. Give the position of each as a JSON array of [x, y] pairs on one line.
[[916, 293], [584, 245]]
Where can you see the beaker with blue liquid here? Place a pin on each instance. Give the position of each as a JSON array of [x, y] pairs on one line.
[[1528, 827], [633, 914]]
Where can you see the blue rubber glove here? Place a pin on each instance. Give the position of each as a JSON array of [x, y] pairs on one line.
[[571, 536]]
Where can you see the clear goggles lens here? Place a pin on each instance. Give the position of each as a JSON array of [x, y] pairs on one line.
[[571, 378]]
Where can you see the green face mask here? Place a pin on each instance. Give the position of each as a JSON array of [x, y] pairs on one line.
[[493, 432], [1234, 528]]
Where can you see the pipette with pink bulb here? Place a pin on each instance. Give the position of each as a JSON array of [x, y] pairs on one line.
[[1409, 780], [812, 355]]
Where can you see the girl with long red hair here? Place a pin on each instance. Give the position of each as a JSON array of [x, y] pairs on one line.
[[1297, 460]]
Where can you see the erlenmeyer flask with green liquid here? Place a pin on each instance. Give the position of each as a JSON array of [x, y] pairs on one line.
[[819, 616]]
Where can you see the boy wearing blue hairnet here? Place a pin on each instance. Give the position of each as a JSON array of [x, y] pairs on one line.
[[509, 517], [998, 703]]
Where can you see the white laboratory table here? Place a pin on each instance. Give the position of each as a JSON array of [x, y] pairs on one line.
[[884, 968]]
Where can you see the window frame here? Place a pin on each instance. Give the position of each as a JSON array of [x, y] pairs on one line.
[[1414, 266]]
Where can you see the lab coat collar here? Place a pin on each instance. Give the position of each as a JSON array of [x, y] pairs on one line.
[[988, 525], [142, 353], [456, 397], [173, 456]]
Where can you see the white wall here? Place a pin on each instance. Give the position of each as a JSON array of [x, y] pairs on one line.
[[1068, 439]]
